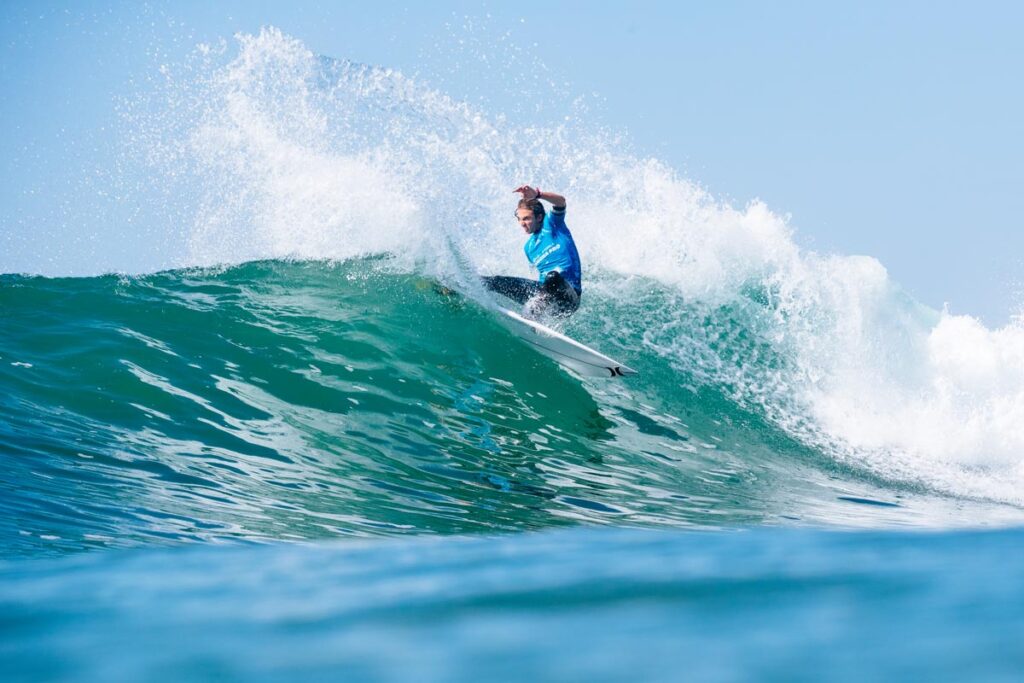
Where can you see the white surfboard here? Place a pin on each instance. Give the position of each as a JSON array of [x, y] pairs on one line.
[[563, 350]]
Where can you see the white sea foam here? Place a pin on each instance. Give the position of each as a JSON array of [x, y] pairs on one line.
[[292, 155]]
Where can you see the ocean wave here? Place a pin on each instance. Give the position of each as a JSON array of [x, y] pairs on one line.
[[296, 378], [291, 400], [293, 155]]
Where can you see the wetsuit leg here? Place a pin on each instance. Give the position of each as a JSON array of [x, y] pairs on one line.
[[516, 288], [555, 297], [566, 299]]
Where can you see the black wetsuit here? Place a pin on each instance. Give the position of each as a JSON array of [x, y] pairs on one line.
[[554, 297]]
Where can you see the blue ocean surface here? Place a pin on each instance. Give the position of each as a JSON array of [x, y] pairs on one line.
[[311, 451], [568, 605]]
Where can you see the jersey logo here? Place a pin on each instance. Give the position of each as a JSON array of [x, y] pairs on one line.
[[547, 252]]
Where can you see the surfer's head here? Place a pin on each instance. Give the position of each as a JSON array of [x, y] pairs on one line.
[[530, 214]]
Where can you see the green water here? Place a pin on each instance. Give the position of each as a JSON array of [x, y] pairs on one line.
[[276, 400]]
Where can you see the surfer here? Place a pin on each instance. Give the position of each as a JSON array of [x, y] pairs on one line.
[[551, 251]]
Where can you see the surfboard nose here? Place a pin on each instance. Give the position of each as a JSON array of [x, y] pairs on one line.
[[622, 371]]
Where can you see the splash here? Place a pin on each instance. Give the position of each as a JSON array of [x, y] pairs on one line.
[[290, 155]]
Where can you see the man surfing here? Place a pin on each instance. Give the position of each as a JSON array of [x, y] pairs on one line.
[[551, 250]]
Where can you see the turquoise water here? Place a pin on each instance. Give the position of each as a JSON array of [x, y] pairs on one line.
[[341, 406], [289, 457], [310, 401]]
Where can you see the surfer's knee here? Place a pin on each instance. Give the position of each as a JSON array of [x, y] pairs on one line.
[[535, 306]]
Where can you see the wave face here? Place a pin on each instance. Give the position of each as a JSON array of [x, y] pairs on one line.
[[302, 400]]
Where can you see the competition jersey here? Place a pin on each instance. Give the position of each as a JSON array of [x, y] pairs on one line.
[[552, 248]]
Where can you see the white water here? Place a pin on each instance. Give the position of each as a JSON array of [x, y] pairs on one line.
[[284, 154]]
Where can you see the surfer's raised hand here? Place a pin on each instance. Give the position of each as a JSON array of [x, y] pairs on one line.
[[528, 192]]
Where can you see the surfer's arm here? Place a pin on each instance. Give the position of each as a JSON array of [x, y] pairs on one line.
[[557, 200]]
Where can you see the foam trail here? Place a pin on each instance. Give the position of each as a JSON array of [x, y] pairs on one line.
[[296, 156]]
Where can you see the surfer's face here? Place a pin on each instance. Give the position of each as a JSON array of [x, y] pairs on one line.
[[529, 222]]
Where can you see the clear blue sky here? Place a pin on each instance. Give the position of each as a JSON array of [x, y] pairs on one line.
[[889, 129]]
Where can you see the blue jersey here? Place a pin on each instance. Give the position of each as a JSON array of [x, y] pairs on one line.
[[551, 248]]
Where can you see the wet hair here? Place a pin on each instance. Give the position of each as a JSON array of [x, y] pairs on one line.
[[533, 205]]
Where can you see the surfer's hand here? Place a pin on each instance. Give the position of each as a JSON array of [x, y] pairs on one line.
[[528, 192]]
